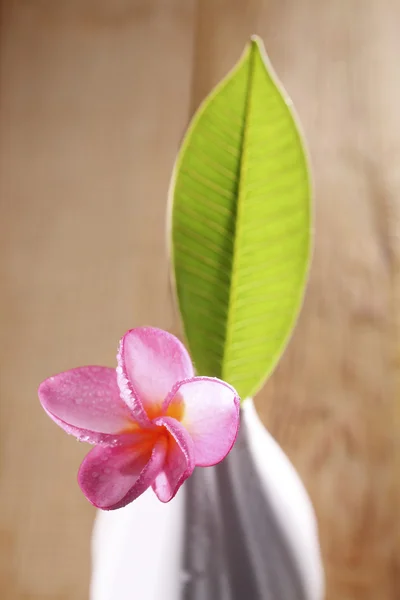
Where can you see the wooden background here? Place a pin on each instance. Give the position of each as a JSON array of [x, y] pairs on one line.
[[95, 96]]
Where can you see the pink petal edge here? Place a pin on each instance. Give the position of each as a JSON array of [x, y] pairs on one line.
[[211, 416], [111, 478], [150, 362], [86, 403], [179, 463]]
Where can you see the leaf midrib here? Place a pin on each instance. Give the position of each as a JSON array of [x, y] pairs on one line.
[[239, 208]]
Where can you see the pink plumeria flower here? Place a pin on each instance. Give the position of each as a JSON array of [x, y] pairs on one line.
[[152, 421]]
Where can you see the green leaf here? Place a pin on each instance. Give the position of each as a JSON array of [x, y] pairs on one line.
[[240, 226]]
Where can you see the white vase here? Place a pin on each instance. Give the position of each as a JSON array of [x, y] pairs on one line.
[[243, 529]]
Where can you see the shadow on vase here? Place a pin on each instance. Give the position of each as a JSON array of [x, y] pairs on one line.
[[234, 547]]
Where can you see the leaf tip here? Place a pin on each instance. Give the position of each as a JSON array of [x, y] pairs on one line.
[[256, 43]]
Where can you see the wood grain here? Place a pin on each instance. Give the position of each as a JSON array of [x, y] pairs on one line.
[[94, 101], [332, 401]]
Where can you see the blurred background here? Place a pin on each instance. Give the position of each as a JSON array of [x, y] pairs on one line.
[[95, 96]]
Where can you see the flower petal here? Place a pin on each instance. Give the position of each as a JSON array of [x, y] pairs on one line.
[[179, 462], [86, 403], [150, 362], [111, 478], [210, 415]]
